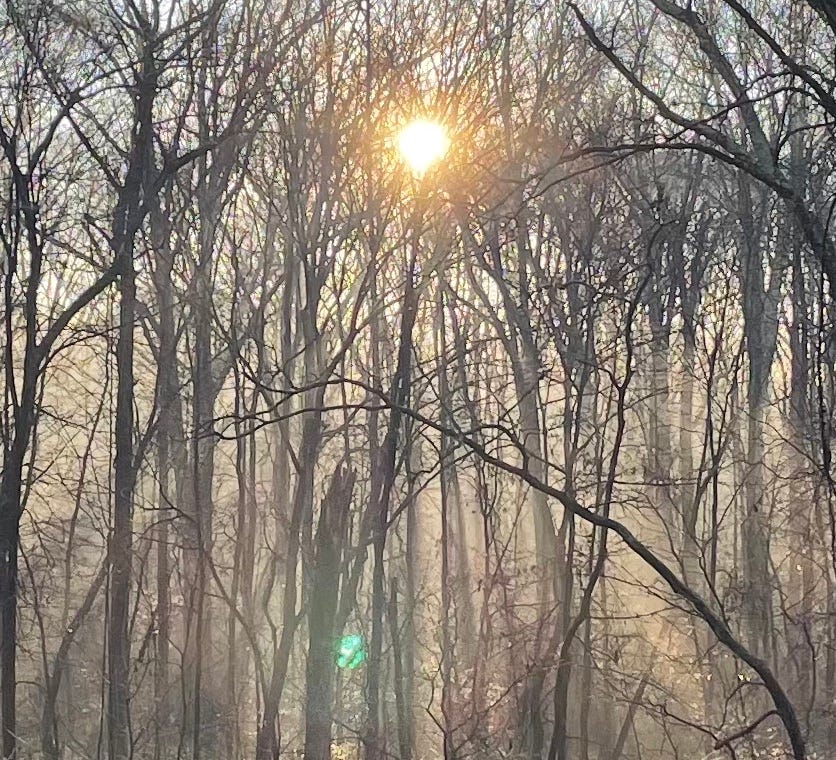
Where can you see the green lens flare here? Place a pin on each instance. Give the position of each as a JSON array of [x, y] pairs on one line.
[[351, 651]]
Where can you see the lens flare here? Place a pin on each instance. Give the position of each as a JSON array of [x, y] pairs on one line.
[[351, 651]]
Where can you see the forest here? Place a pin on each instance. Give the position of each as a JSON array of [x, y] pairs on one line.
[[417, 380]]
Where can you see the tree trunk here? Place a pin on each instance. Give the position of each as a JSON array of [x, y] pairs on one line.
[[400, 392], [9, 540], [319, 671], [167, 431], [268, 737], [121, 539], [760, 304], [627, 724], [127, 219]]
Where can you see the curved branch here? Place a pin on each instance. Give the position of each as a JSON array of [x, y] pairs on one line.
[[783, 706]]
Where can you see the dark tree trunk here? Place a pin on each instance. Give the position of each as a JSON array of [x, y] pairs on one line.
[[269, 733], [373, 740], [319, 672], [169, 428], [9, 538], [128, 214], [121, 539]]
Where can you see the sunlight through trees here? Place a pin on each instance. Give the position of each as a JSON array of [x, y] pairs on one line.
[[409, 380]]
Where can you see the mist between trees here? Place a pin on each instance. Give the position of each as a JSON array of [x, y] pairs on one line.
[[519, 448]]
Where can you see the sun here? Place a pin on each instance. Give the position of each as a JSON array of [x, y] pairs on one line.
[[422, 143]]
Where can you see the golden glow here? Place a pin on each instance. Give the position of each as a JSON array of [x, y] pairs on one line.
[[422, 143]]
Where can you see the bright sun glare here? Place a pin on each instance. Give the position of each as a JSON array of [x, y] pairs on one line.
[[422, 143]]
